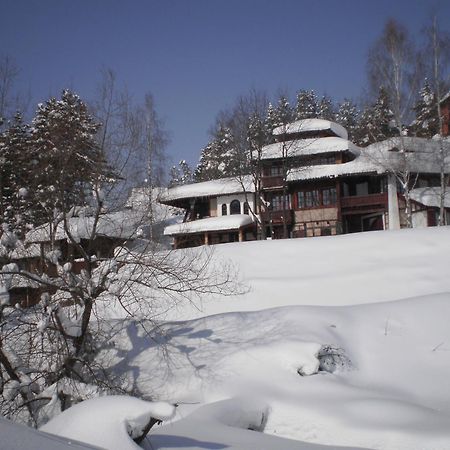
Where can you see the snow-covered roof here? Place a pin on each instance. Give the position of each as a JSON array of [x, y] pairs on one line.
[[310, 125], [22, 251], [361, 165], [421, 154], [211, 188], [304, 147], [430, 196], [382, 157], [223, 223], [121, 224]]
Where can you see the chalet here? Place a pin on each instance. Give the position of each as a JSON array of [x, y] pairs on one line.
[[216, 211], [314, 182], [47, 244]]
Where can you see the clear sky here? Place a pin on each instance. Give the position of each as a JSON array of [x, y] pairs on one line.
[[197, 56]]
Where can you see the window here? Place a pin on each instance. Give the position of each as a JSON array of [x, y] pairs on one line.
[[280, 202], [316, 197], [246, 208], [276, 171], [301, 199], [312, 198], [224, 209], [235, 207], [329, 196]]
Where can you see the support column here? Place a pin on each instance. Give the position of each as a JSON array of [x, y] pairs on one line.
[[241, 235], [394, 214], [206, 239]]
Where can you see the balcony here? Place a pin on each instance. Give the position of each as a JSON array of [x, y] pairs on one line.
[[277, 217], [362, 201], [268, 182]]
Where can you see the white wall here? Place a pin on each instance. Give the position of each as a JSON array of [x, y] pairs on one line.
[[227, 199]]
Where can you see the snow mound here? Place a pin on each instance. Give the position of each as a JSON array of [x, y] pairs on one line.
[[110, 422]]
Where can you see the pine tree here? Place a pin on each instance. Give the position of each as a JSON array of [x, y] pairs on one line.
[[283, 112], [347, 116], [426, 123], [69, 162], [326, 108], [270, 122], [307, 105], [17, 166], [376, 122], [181, 174], [218, 159]]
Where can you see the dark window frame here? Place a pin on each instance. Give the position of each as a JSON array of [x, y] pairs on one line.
[[235, 207]]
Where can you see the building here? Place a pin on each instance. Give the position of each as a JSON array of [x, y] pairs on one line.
[[216, 211], [315, 182], [445, 112], [71, 243]]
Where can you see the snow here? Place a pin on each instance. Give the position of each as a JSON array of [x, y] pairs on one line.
[[222, 223], [362, 164], [121, 224], [430, 196], [307, 147], [445, 97], [308, 125], [244, 366], [421, 156], [211, 188], [20, 437], [248, 370], [22, 251], [110, 422]]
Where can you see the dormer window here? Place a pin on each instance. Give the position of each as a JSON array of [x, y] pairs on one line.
[[224, 209]]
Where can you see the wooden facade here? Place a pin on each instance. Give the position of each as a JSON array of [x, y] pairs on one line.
[[445, 112], [342, 190]]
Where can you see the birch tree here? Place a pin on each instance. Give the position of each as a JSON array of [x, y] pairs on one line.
[[394, 64]]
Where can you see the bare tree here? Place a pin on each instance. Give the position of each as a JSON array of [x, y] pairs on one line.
[[8, 75], [393, 64], [81, 261]]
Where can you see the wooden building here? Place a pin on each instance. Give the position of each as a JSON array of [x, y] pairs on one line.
[[315, 182], [49, 244], [216, 211], [445, 112]]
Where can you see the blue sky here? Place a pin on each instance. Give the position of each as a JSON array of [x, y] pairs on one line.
[[197, 56]]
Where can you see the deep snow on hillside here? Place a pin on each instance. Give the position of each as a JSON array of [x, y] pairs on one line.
[[337, 270], [258, 360], [337, 341], [391, 391]]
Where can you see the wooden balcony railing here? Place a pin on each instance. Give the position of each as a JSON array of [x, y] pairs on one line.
[[277, 217], [272, 181], [364, 200]]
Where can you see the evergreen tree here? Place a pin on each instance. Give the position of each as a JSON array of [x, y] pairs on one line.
[[426, 123], [283, 112], [181, 174], [347, 116], [218, 159], [270, 122], [326, 108], [16, 169], [69, 162], [307, 105], [377, 121]]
